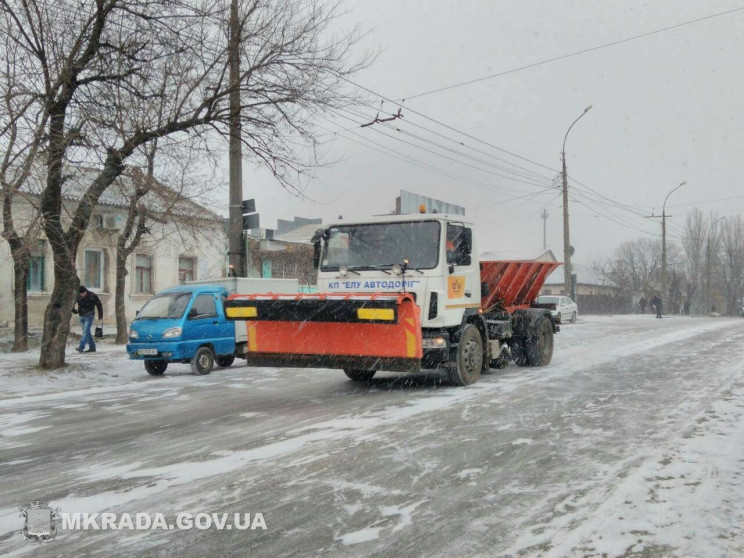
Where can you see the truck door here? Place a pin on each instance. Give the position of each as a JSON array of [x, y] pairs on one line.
[[206, 323], [463, 283]]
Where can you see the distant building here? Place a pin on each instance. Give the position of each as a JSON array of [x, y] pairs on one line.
[[288, 255], [284, 226], [588, 282], [409, 202]]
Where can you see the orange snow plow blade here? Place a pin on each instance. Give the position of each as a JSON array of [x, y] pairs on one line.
[[358, 331]]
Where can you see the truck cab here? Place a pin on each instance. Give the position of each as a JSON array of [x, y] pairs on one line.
[[441, 273]]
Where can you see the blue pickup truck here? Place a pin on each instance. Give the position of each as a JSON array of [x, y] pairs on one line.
[[187, 324]]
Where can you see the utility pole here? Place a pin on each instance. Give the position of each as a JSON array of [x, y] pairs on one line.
[[663, 245], [236, 248], [544, 215], [567, 277]]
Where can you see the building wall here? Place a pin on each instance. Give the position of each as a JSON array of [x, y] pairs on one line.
[[206, 243]]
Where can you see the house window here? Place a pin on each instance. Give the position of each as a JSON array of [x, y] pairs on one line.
[[186, 269], [93, 273], [35, 281], [142, 274]]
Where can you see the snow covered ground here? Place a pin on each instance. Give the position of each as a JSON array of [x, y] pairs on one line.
[[631, 443]]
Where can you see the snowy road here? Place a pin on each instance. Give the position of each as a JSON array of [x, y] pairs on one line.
[[630, 443]]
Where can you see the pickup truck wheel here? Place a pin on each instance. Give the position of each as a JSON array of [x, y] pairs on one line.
[[224, 361], [203, 361], [469, 358], [156, 367], [539, 346], [360, 375]]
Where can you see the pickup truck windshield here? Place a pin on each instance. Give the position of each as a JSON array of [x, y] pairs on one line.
[[380, 245], [167, 305]]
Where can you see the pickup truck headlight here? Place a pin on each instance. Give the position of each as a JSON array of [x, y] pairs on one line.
[[172, 332], [133, 333]]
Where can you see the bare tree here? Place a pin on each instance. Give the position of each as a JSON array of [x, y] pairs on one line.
[[126, 242], [693, 244], [635, 267], [731, 262], [701, 242], [21, 124], [160, 210], [95, 69]]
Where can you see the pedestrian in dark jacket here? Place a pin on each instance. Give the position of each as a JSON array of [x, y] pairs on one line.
[[87, 302], [642, 304], [656, 303]]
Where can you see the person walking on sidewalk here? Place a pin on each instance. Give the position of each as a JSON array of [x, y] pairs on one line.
[[87, 302], [656, 303]]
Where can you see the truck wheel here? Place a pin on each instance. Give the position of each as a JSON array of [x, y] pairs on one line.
[[469, 359], [203, 361], [538, 347], [360, 375], [156, 367], [224, 361]]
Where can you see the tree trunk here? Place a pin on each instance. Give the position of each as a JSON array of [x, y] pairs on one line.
[[58, 312], [20, 330], [121, 317]]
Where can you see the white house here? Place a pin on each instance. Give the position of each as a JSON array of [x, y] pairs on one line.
[[186, 242]]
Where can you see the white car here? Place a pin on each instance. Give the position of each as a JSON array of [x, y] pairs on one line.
[[564, 307]]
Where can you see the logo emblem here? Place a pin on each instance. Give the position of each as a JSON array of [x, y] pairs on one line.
[[39, 524], [455, 286]]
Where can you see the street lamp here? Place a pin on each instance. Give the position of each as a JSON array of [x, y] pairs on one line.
[[707, 263], [663, 243], [566, 237]]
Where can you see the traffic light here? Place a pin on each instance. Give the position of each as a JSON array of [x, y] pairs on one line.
[[250, 217]]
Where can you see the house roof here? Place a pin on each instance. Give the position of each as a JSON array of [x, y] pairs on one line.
[[159, 199], [585, 275]]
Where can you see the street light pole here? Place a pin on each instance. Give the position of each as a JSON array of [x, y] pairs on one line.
[[663, 244], [707, 263], [566, 237]]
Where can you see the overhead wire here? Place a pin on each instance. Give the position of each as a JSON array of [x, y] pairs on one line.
[[453, 159], [405, 122], [407, 159], [522, 172], [620, 205], [571, 54]]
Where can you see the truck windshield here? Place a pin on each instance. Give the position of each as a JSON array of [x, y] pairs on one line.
[[166, 305], [380, 245]]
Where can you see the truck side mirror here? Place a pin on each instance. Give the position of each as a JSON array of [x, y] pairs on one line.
[[316, 254], [193, 313], [317, 237]]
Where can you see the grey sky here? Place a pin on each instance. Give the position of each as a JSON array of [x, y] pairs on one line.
[[666, 108]]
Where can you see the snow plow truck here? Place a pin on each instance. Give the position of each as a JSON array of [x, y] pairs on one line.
[[403, 293]]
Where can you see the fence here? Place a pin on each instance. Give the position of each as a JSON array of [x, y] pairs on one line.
[[605, 304]]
